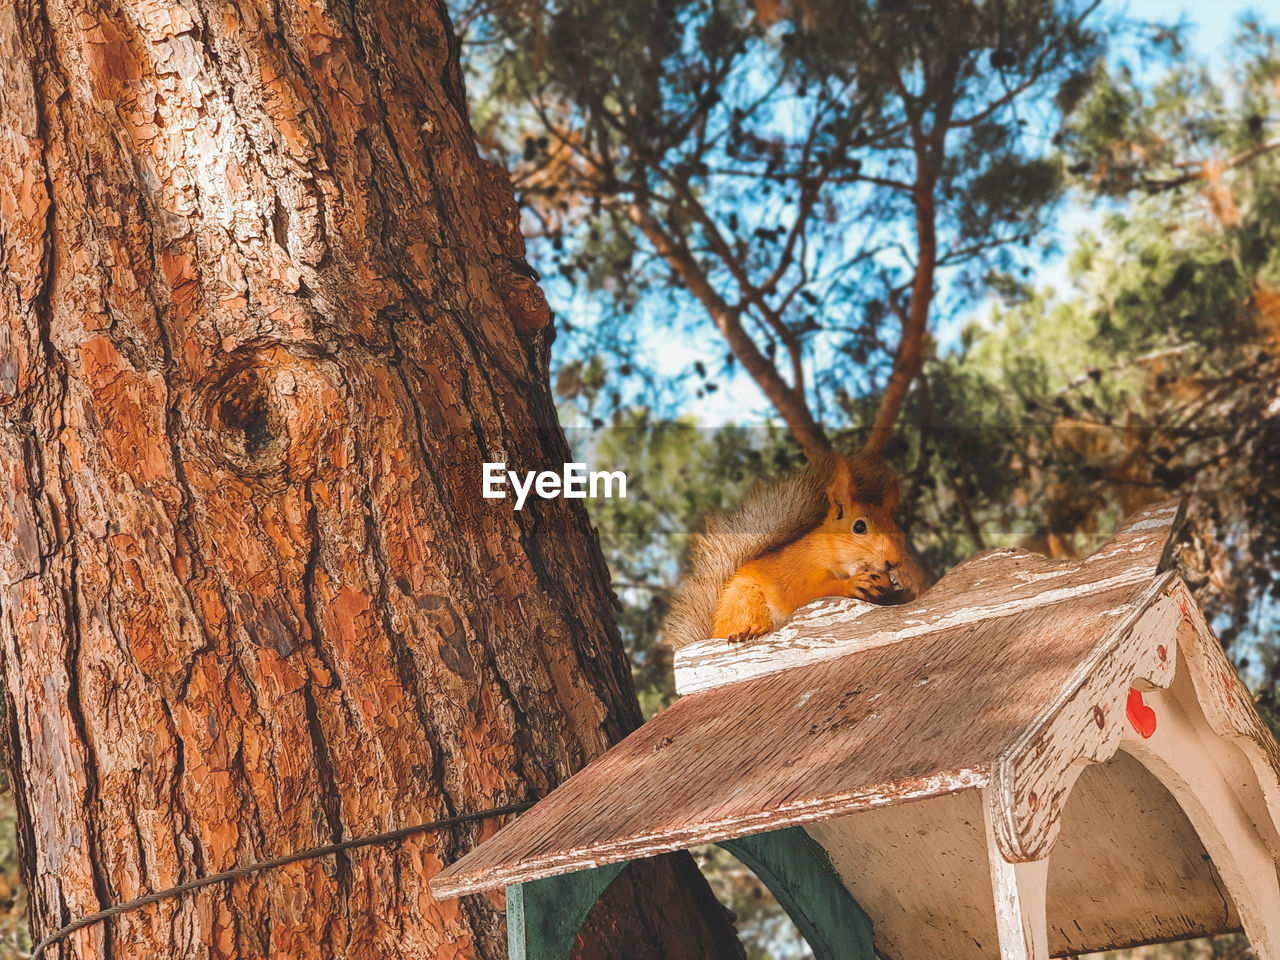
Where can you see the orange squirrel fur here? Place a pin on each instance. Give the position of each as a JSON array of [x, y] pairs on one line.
[[826, 531]]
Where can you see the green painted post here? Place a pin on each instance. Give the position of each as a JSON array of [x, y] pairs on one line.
[[798, 873], [544, 916]]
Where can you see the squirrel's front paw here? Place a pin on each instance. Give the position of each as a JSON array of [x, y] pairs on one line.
[[742, 614], [872, 587], [748, 629]]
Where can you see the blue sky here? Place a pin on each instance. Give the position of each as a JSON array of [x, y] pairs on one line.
[[1210, 27], [1213, 22]]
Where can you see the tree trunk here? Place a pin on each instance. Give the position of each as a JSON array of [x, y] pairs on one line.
[[262, 318]]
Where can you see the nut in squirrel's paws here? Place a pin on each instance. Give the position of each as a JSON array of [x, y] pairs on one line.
[[906, 583], [870, 586]]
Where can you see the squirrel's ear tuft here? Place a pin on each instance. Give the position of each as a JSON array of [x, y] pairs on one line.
[[840, 490], [889, 502]]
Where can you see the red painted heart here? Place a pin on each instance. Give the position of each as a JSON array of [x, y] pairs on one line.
[[1142, 717]]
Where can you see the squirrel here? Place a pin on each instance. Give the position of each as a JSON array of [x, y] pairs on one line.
[[825, 531]]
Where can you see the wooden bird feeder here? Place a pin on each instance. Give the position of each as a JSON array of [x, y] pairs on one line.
[[1035, 759]]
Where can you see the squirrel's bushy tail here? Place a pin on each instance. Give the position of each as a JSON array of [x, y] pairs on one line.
[[772, 514]]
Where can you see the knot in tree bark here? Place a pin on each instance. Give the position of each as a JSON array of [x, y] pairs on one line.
[[269, 412]]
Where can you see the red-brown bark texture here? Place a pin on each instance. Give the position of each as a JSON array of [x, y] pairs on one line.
[[263, 315]]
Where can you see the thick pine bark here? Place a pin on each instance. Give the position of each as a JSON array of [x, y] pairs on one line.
[[262, 318]]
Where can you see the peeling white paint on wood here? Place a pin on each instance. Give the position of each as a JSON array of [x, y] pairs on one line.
[[1084, 724], [1018, 893], [1229, 710], [1205, 780]]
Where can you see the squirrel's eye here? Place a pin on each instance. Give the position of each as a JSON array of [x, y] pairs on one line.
[[859, 526]]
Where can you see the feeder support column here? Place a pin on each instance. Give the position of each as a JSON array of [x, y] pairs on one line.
[[1019, 892]]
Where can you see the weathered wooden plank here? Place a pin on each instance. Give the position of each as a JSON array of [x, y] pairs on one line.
[[1230, 713], [921, 870], [926, 716], [1127, 867], [1083, 723], [1019, 893]]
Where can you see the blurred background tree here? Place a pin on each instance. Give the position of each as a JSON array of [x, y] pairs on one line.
[[1159, 374], [790, 178]]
